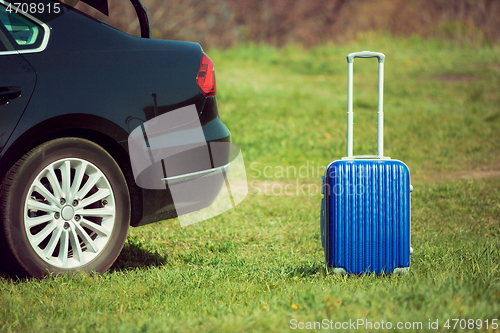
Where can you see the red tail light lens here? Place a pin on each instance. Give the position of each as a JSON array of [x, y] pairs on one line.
[[206, 76]]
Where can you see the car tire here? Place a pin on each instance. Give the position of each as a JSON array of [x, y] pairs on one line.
[[64, 207]]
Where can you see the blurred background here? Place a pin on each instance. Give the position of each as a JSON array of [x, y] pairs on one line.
[[225, 23]]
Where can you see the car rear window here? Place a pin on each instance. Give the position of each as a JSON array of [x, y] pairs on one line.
[[4, 42], [25, 33], [122, 15]]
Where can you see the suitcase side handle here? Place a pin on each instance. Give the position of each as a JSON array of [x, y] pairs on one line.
[[380, 113]]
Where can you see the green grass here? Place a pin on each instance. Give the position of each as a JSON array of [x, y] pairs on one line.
[[261, 265], [441, 103]]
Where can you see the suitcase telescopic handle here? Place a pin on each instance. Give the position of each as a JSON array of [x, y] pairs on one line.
[[365, 54], [380, 114]]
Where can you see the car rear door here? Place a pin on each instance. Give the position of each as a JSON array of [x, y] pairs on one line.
[[17, 76], [17, 81]]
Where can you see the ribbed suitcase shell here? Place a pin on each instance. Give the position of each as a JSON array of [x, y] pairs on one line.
[[367, 215]]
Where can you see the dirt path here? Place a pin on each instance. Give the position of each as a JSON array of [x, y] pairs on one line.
[[290, 187], [492, 170]]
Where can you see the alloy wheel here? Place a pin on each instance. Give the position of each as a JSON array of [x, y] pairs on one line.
[[69, 213]]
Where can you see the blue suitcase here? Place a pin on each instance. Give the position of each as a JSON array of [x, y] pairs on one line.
[[365, 211]]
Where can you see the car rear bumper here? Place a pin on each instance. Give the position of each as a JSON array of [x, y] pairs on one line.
[[180, 169], [175, 180]]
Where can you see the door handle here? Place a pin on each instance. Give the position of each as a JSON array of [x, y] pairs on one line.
[[8, 93]]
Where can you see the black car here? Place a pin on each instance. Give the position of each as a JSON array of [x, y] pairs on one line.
[[81, 106]]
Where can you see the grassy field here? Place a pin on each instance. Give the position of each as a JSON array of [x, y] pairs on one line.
[[260, 267]]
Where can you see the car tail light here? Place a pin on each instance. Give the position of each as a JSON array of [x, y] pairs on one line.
[[206, 76]]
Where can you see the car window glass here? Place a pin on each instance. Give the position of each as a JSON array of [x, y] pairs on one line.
[[3, 42], [122, 15], [25, 33]]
